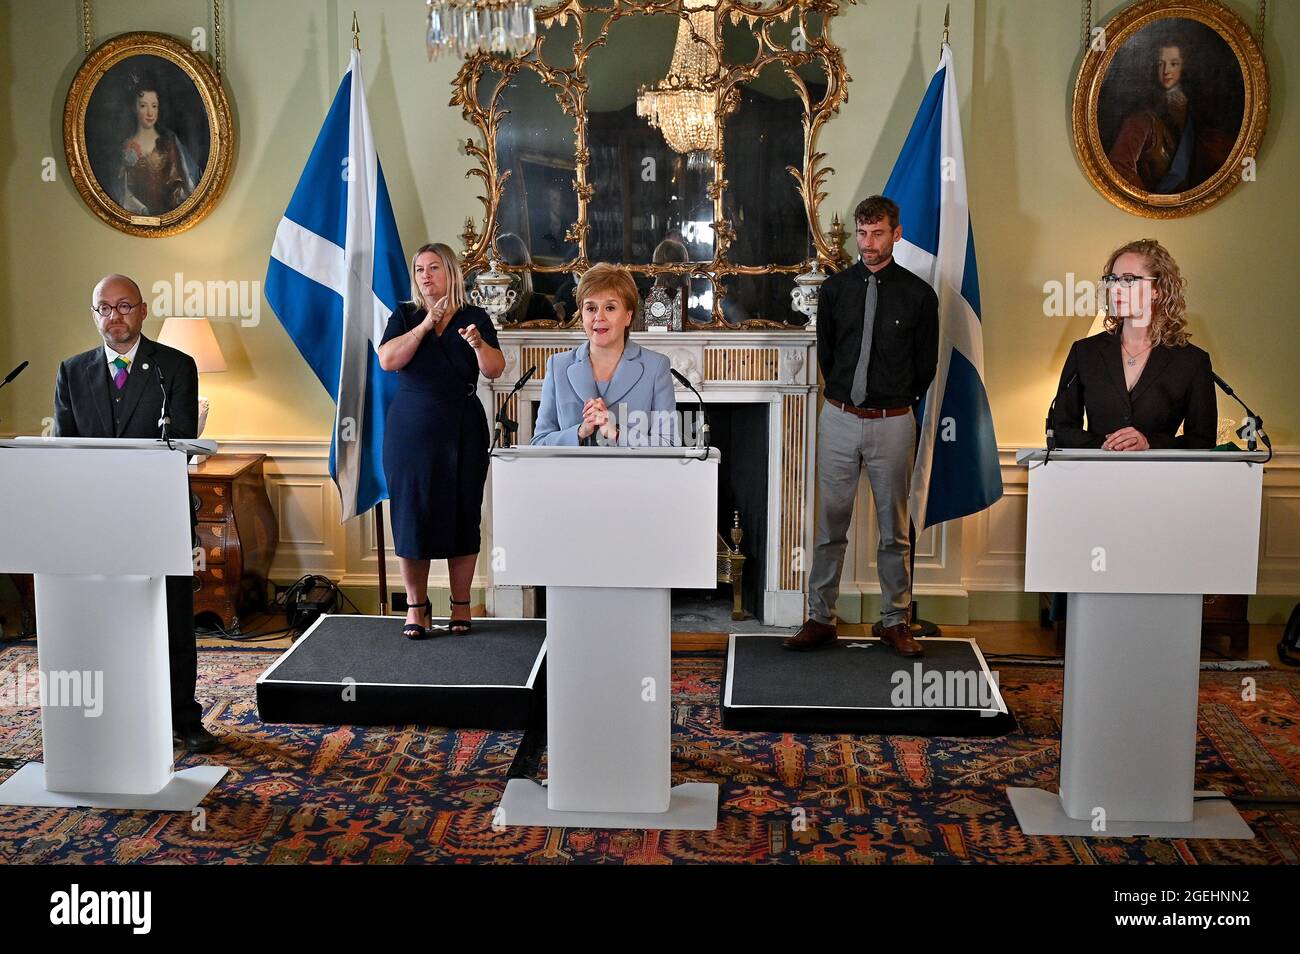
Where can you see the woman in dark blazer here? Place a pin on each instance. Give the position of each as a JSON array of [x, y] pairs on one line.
[[1138, 380], [436, 433]]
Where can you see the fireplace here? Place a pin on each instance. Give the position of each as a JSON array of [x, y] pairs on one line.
[[761, 389]]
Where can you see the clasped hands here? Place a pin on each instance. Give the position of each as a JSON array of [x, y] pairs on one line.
[[1126, 439], [596, 416]]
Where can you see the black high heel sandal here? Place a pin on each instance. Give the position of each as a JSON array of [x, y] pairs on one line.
[[415, 630], [459, 627]]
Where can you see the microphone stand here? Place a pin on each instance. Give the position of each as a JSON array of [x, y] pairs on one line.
[[1051, 413], [702, 441], [13, 374], [506, 428], [164, 421], [1254, 423]]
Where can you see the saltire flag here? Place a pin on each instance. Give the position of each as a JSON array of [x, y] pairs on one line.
[[956, 469], [336, 274]]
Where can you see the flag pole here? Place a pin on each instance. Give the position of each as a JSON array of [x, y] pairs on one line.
[[918, 626], [383, 558], [378, 511]]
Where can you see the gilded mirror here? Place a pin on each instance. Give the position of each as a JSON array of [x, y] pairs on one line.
[[677, 138]]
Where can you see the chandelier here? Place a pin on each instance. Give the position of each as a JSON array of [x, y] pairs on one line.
[[480, 26], [683, 106]]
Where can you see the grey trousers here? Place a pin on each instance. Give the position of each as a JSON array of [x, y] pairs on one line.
[[886, 448]]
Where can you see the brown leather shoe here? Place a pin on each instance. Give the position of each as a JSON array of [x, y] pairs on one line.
[[812, 635], [900, 637]]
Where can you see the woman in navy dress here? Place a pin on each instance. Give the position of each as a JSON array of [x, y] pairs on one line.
[[436, 434]]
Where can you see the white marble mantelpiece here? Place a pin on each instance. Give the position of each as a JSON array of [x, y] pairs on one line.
[[776, 368]]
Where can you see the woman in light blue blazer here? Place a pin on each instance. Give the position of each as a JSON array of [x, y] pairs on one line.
[[608, 390]]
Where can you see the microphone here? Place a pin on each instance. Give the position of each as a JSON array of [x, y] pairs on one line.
[[1051, 413], [523, 379], [1254, 423], [13, 374], [506, 428], [165, 419], [702, 440]]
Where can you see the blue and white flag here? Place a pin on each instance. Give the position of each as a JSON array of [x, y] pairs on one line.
[[957, 456], [336, 274]]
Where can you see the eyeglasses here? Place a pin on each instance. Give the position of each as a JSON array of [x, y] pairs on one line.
[[1124, 281], [104, 309]]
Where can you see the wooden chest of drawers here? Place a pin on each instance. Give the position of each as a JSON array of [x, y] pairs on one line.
[[237, 533]]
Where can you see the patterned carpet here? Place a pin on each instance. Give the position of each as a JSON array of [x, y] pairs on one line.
[[310, 795]]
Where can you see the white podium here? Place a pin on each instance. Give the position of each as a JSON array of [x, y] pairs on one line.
[[1135, 540], [101, 522], [608, 531]]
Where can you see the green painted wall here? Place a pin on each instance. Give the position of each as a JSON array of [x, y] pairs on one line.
[[1036, 217]]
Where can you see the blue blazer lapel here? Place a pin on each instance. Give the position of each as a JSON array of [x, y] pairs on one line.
[[629, 371], [581, 378]]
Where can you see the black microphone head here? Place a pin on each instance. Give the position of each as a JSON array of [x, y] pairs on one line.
[[15, 372], [681, 377], [1222, 384]]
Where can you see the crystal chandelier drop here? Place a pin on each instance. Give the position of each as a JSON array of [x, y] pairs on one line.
[[480, 26], [684, 105]]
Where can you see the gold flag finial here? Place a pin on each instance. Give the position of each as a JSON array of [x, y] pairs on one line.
[[946, 11], [356, 32]]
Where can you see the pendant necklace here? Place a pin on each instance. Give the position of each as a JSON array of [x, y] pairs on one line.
[[1133, 358]]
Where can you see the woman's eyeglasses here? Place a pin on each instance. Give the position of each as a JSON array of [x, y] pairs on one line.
[[1124, 281]]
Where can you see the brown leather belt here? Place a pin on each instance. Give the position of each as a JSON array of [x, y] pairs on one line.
[[870, 413]]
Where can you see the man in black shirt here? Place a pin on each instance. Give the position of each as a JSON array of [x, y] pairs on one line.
[[877, 344]]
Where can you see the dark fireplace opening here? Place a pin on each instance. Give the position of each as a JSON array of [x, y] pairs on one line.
[[739, 431]]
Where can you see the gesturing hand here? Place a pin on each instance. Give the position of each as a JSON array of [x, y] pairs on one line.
[[472, 336], [1126, 439], [437, 311]]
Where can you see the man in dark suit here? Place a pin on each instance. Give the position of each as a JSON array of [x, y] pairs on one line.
[[878, 346], [116, 390]]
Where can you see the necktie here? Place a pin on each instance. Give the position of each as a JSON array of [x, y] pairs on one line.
[[859, 392], [119, 374]]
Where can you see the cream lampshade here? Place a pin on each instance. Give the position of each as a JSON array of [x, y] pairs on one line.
[[194, 336]]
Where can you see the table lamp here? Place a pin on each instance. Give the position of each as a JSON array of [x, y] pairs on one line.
[[194, 336]]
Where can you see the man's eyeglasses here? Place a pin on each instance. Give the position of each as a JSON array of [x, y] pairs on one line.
[[1124, 281], [122, 308]]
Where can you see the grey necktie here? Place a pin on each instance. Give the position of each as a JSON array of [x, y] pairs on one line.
[[859, 392]]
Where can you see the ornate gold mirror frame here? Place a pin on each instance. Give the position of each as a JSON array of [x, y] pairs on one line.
[[570, 88]]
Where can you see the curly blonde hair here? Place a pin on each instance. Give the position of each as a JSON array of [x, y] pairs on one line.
[[1168, 321]]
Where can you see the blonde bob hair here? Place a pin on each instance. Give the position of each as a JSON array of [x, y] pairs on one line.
[[455, 278], [1168, 324], [604, 277]]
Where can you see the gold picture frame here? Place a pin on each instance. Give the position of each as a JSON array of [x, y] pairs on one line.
[[148, 134], [1170, 107]]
